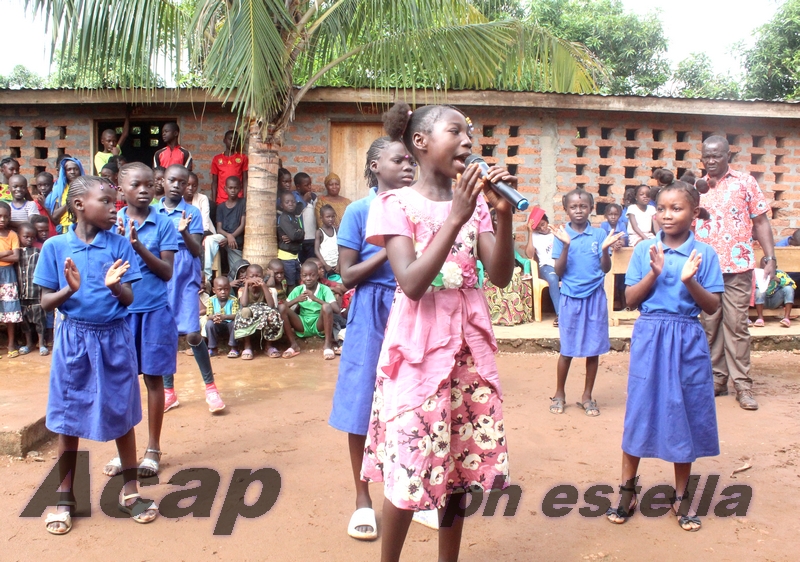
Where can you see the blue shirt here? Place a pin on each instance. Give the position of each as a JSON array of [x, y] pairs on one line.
[[583, 274], [157, 235], [783, 243], [93, 301], [195, 225], [353, 233], [670, 294]]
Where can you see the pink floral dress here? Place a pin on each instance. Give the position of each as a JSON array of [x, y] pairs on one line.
[[436, 423]]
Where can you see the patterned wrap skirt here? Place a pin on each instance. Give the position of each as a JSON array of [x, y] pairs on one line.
[[453, 441], [10, 308]]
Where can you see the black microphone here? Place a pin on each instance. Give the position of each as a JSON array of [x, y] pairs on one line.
[[501, 188]]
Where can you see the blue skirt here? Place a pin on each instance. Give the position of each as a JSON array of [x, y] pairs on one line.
[[583, 325], [94, 387], [366, 327], [670, 413], [155, 338], [183, 292]]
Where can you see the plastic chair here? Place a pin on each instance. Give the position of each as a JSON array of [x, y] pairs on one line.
[[530, 267]]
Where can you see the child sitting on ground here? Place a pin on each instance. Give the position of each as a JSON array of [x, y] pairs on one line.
[[326, 246], [236, 276], [613, 224], [316, 306], [779, 293], [220, 312], [258, 314], [640, 217], [33, 316], [276, 277], [336, 288]]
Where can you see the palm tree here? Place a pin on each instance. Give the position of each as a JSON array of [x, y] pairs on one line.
[[263, 56]]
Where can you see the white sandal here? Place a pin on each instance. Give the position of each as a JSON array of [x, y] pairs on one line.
[[363, 517], [148, 468], [116, 467], [138, 508], [65, 518]]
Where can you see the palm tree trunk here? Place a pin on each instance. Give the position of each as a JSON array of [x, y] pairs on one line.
[[260, 239]]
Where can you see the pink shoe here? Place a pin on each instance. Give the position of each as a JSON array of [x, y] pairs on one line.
[[170, 399], [215, 403]]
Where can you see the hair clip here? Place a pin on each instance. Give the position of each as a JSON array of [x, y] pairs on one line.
[[470, 127]]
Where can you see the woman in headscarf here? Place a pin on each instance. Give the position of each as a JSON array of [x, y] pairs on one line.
[[332, 186], [68, 169]]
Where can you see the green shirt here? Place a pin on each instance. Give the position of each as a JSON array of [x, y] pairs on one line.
[[102, 158], [310, 308]]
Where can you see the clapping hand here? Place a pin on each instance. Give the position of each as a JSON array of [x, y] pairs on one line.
[[72, 275], [691, 266], [115, 273], [561, 233], [611, 239], [657, 258], [184, 222]]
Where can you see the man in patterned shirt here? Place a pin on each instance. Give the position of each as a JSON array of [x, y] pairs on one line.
[[738, 212]]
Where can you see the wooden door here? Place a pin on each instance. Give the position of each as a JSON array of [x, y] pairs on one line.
[[348, 155]]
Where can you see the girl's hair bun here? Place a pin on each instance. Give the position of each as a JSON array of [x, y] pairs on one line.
[[664, 176], [396, 120]]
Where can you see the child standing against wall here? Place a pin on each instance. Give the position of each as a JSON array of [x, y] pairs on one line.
[[33, 316], [111, 145], [173, 153], [326, 247], [582, 260], [230, 163]]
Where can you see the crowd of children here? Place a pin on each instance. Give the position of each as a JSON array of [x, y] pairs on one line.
[[400, 267]]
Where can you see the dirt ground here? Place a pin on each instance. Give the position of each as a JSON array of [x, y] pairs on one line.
[[277, 417]]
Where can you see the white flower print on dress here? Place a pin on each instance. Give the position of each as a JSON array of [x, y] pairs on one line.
[[502, 463], [437, 475], [472, 461], [484, 438], [465, 431], [410, 487], [481, 394], [424, 445], [429, 405], [440, 428], [452, 277]]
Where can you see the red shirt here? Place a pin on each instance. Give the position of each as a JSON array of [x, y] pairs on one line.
[[224, 167], [167, 156], [44, 213]]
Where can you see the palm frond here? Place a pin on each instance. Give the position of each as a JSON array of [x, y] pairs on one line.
[[134, 36]]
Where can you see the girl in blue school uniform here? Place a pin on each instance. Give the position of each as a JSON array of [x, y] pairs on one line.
[[364, 266], [94, 391], [184, 287], [151, 321], [582, 260], [670, 412]]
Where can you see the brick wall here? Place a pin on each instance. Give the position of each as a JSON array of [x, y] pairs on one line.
[[552, 151]]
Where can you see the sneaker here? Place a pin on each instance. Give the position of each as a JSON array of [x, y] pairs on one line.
[[215, 403], [170, 399], [746, 400]]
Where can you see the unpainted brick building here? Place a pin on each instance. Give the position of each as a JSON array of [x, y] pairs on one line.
[[553, 142]]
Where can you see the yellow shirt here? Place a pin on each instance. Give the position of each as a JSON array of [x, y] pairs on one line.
[[65, 219]]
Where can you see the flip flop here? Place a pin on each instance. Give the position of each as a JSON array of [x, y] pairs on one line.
[[786, 323], [557, 405], [44, 351], [247, 355], [290, 352], [337, 350], [364, 517], [113, 467], [328, 354], [24, 350], [273, 353], [758, 323], [12, 354], [233, 354], [590, 406]]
